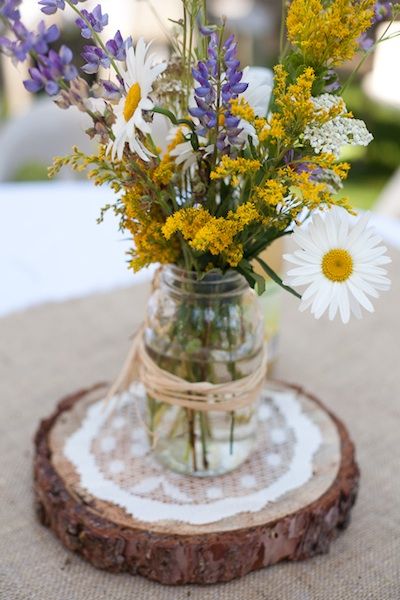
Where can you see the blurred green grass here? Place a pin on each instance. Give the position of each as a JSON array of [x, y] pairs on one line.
[[365, 192], [31, 171], [372, 167]]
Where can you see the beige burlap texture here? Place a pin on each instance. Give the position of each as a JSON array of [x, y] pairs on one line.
[[50, 351]]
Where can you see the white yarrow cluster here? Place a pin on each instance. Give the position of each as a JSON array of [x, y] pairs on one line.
[[327, 101], [338, 132]]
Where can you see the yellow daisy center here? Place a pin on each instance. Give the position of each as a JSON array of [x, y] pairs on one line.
[[337, 265], [132, 101]]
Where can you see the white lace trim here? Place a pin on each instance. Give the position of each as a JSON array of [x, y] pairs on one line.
[[283, 462]]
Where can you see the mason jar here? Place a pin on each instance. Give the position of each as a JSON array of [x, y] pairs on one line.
[[205, 327]]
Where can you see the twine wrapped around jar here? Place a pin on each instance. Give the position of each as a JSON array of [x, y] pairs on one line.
[[175, 391]]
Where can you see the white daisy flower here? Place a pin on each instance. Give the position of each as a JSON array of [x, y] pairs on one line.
[[138, 82], [183, 153], [340, 262], [259, 92], [258, 96]]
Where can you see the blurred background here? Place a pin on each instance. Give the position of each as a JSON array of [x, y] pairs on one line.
[[48, 216]]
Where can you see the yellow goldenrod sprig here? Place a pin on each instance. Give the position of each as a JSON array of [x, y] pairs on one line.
[[234, 167], [328, 33]]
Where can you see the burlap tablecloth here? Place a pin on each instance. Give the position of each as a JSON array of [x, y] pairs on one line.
[[50, 351]]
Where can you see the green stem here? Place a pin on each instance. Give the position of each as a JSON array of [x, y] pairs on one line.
[[232, 432], [367, 54], [232, 370], [192, 436], [205, 375], [189, 75], [203, 433], [282, 31], [170, 115], [160, 21], [205, 11]]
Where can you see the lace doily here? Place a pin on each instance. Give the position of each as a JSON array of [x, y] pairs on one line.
[[111, 455]]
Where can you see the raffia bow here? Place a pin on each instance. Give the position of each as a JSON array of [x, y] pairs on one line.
[[171, 389]]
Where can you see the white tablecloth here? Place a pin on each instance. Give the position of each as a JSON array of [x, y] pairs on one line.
[[51, 248]]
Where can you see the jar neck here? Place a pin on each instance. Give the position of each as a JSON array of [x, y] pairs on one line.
[[211, 283]]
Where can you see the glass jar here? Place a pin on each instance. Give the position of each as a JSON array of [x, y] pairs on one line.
[[203, 327]]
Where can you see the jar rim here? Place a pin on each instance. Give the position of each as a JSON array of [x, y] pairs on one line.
[[177, 278], [199, 276]]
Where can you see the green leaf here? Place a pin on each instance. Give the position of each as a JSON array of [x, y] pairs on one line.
[[252, 148], [194, 140], [260, 176], [180, 22], [264, 242], [260, 284], [271, 273], [255, 280]]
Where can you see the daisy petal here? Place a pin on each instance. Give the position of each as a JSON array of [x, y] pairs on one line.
[[344, 304], [360, 296]]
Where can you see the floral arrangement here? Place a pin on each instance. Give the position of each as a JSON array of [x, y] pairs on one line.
[[246, 161]]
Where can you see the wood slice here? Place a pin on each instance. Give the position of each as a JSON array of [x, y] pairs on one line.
[[300, 524]]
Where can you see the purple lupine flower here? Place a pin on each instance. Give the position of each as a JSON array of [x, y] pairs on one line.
[[206, 95], [117, 46], [44, 37], [293, 160], [49, 7], [9, 9], [206, 30], [289, 156], [316, 174], [231, 89], [220, 69], [95, 58], [9, 13], [365, 42], [111, 90], [92, 21], [233, 86], [26, 41], [7, 46], [382, 10], [51, 71]]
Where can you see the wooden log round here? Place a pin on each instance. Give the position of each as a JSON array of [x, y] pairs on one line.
[[192, 555]]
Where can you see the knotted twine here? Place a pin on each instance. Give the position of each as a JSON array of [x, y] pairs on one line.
[[166, 387]]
